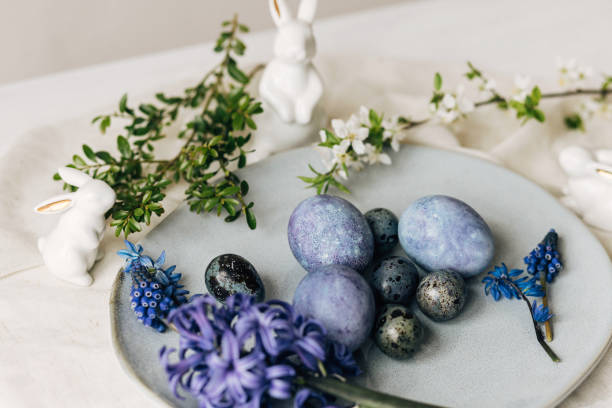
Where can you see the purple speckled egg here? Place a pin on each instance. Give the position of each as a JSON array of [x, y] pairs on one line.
[[341, 300], [328, 230], [442, 233]]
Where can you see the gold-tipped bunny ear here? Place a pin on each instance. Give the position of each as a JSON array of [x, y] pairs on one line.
[[73, 177], [307, 10], [55, 204], [604, 172], [280, 11]]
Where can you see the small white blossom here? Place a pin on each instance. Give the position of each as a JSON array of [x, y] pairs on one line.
[[393, 132], [571, 73], [521, 88], [373, 156], [364, 116], [352, 133], [452, 106]]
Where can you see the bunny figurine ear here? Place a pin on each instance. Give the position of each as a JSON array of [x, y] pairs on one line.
[[307, 10], [280, 11], [73, 177], [55, 205]]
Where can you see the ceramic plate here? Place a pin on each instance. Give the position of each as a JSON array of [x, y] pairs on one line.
[[488, 356]]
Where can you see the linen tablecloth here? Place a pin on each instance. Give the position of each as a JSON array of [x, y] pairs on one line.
[[55, 342]]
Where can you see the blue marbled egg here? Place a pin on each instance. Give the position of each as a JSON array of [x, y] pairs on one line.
[[383, 224], [229, 274], [394, 280], [341, 300], [443, 233], [441, 295], [328, 230]]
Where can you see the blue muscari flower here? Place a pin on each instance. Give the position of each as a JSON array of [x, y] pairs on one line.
[[246, 354], [498, 283], [540, 313], [155, 291], [545, 258]]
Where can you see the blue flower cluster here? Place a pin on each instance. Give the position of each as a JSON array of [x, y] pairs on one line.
[[155, 291], [501, 282], [247, 354], [545, 258]]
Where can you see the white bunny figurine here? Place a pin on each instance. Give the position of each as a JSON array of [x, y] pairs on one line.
[[71, 248], [589, 186], [290, 83]]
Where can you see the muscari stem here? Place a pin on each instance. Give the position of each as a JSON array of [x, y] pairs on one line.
[[553, 356], [360, 396], [548, 323]]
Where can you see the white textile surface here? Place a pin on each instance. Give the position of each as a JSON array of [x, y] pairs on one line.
[[55, 343]]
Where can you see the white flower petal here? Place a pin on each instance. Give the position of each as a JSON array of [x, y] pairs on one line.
[[358, 146], [395, 145], [384, 158], [448, 101]]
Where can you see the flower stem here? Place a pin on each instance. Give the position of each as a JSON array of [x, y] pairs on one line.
[[362, 397], [548, 323], [553, 356], [601, 92]]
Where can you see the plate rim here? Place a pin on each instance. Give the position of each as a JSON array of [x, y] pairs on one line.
[[129, 370]]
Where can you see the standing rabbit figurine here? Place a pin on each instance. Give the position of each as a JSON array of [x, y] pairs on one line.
[[290, 83], [290, 87], [71, 248], [589, 187]]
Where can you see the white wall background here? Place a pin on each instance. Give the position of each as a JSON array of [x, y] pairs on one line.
[[44, 36]]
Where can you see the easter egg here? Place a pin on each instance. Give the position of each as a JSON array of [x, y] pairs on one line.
[[383, 224], [397, 331], [394, 280], [328, 230], [229, 274], [443, 233], [441, 295], [341, 300]]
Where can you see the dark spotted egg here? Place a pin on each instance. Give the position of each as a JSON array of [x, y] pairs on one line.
[[383, 224], [394, 280], [398, 332], [441, 295], [229, 274]]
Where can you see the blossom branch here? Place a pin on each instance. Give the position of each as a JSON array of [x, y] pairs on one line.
[[353, 144]]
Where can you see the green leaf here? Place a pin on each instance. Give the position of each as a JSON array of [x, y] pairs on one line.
[[105, 123], [250, 217], [236, 73], [89, 153], [250, 123], [242, 160], [539, 115], [230, 191], [138, 212], [536, 94], [244, 187], [437, 81], [237, 121], [574, 122], [105, 157], [78, 160], [134, 226], [123, 103], [243, 28], [124, 147], [229, 208]]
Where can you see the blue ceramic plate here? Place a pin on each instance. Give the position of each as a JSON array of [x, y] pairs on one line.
[[486, 357]]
